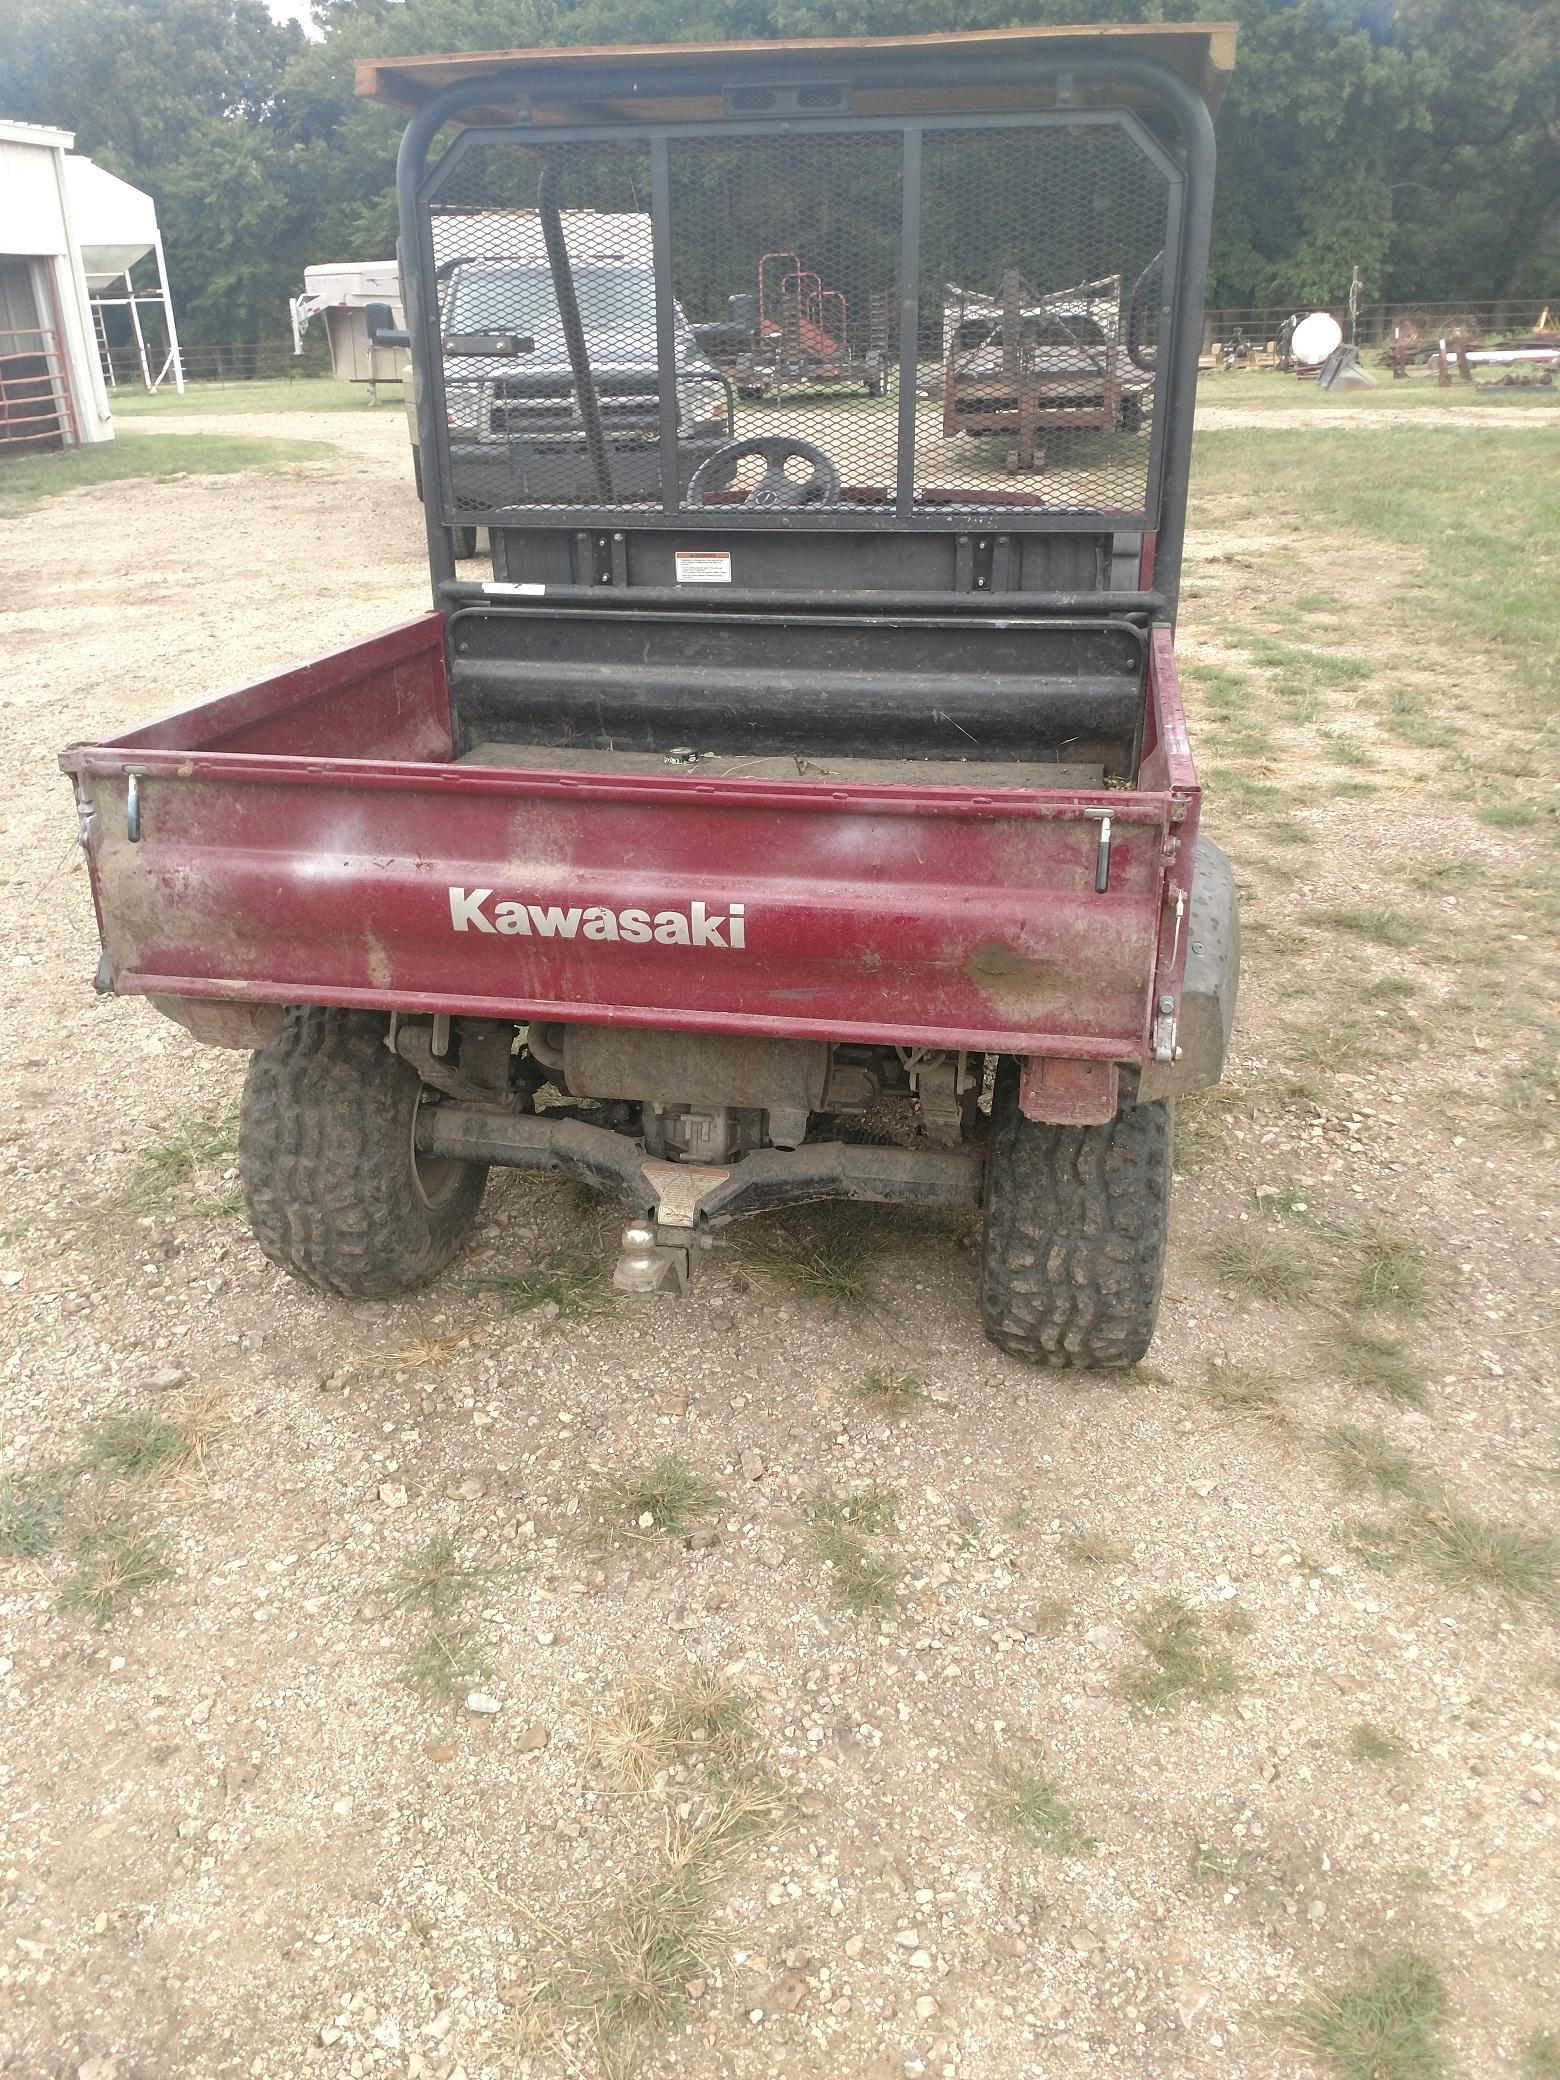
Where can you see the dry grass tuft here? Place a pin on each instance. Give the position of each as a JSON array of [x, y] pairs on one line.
[[1381, 2025], [822, 1252], [1379, 1360], [175, 1439], [1260, 1263], [1469, 1553], [1095, 1549], [1371, 1743], [1368, 1459], [1240, 1393], [1182, 1667], [667, 1498], [570, 1281], [115, 1563], [1202, 1124], [649, 1725], [1030, 1805], [627, 1976], [891, 1394], [1391, 1275]]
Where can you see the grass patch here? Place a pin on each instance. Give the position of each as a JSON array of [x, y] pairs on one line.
[[32, 1508], [115, 1563], [1379, 1361], [433, 1580], [1464, 505], [822, 1252], [891, 1393], [1368, 1459], [444, 1661], [1094, 1549], [667, 1498], [1248, 1870], [1471, 1553], [1028, 1804], [1258, 1264], [137, 1445], [1369, 1742], [1376, 1546], [1240, 1393], [1541, 2056], [1382, 927], [627, 1977], [1201, 1126], [1391, 1275], [1443, 877], [1182, 1667], [194, 1155], [300, 393], [27, 480], [1379, 2026], [1508, 816], [842, 1528], [648, 1726], [571, 1280]]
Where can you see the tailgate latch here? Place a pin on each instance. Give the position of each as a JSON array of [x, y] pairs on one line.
[[1165, 1049], [1101, 850]]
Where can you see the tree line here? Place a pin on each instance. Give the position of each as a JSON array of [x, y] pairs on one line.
[[1415, 139]]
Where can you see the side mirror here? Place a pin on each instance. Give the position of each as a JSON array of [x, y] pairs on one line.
[[382, 328], [487, 345]]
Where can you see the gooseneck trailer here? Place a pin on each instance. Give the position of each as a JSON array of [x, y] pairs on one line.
[[801, 814]]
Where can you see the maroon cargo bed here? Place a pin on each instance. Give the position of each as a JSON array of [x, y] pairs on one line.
[[314, 838]]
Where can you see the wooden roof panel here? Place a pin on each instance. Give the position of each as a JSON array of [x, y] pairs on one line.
[[558, 80]]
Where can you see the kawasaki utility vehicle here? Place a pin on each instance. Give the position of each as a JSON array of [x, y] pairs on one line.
[[814, 820]]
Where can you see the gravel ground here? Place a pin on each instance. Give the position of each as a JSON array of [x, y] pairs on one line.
[[235, 1842]]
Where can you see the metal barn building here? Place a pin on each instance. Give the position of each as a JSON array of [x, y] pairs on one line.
[[51, 380], [70, 234]]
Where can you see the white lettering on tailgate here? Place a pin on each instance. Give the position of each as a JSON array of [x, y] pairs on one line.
[[722, 930]]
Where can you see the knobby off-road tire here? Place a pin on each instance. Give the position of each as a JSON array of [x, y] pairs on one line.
[[335, 1191], [1076, 1220]]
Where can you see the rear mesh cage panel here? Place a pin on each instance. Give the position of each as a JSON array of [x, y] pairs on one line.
[[751, 288]]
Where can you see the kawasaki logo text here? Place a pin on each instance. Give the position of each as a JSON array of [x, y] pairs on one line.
[[723, 930]]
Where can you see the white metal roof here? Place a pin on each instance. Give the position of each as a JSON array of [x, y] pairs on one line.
[[41, 134], [115, 224]]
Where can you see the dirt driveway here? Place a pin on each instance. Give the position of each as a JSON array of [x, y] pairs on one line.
[[1171, 1695]]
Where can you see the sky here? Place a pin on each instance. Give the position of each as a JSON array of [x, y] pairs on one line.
[[290, 10]]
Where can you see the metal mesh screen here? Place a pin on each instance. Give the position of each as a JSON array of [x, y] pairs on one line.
[[517, 429], [572, 377], [785, 252], [1038, 312]]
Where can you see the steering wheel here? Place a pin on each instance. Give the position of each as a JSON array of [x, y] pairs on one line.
[[774, 488]]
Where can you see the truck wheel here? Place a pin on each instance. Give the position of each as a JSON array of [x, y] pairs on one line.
[[463, 542], [1076, 1219], [335, 1191]]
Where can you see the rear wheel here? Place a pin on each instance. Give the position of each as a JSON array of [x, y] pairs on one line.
[[335, 1189], [1076, 1221]]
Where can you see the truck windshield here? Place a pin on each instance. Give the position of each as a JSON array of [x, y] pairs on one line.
[[520, 299]]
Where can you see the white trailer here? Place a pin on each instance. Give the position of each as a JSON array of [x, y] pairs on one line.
[[338, 293]]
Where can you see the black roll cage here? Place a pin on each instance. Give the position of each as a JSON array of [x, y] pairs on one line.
[[1187, 165]]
